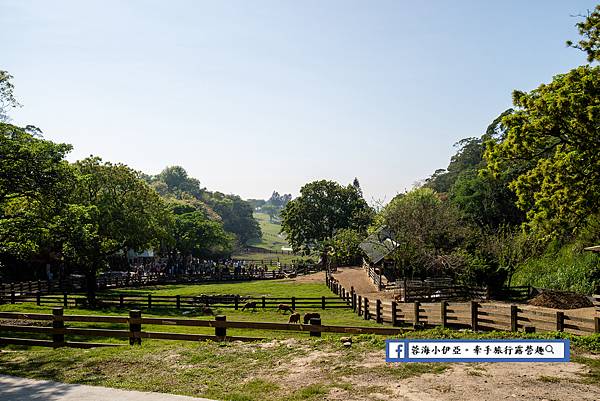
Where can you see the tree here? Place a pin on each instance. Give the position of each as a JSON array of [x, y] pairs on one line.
[[589, 29], [35, 180], [7, 98], [195, 235], [344, 248], [110, 210], [424, 228], [320, 212], [555, 134]]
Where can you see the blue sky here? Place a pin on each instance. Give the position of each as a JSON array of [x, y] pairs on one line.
[[255, 96]]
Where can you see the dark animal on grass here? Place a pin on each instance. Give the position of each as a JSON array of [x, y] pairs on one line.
[[284, 308], [294, 318], [249, 305], [310, 315], [207, 311]]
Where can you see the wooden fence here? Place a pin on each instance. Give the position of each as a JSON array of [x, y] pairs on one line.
[[75, 284], [54, 325], [149, 301], [474, 315]]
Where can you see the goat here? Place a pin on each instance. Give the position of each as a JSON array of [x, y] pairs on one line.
[[249, 305], [294, 318], [311, 315], [284, 308]]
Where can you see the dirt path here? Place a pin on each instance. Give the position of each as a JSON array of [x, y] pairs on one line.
[[358, 278]]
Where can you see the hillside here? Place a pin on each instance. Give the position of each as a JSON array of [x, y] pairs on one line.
[[271, 237]]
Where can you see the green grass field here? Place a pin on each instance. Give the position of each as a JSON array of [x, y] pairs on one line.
[[271, 237]]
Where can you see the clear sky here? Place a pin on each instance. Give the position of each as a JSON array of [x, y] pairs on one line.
[[252, 96]]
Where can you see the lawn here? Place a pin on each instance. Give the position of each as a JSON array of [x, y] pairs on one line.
[[271, 237]]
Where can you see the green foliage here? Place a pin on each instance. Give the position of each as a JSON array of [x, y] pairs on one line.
[[589, 29], [564, 268], [194, 234], [234, 213], [556, 131], [34, 184], [7, 98], [322, 210], [110, 210], [425, 227], [344, 249]]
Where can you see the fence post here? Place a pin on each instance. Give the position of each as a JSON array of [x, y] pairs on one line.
[[315, 329], [294, 303], [65, 300], [38, 299], [121, 300], [597, 324], [149, 301], [359, 305], [353, 298], [378, 317], [58, 339], [264, 304], [135, 328], [220, 332], [444, 313], [514, 318], [560, 321], [323, 302], [178, 301], [366, 311], [236, 302], [417, 305], [474, 315]]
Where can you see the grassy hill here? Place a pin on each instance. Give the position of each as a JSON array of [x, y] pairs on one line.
[[271, 239]]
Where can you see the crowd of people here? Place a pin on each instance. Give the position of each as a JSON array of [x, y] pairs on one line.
[[200, 267]]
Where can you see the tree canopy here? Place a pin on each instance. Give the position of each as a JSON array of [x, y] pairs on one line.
[[555, 131], [323, 209]]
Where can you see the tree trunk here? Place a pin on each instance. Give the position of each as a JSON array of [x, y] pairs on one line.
[[91, 287]]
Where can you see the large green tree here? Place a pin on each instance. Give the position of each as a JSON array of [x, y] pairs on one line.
[[110, 210], [425, 227], [323, 209], [35, 180], [194, 234], [555, 132]]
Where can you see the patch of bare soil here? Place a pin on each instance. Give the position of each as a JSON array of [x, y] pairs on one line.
[[560, 300], [370, 378], [310, 278], [358, 278]]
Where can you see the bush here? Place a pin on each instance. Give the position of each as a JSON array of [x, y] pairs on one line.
[[566, 268]]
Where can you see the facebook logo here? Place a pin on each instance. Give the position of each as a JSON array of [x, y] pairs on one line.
[[394, 351]]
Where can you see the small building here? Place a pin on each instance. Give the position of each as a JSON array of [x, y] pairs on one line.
[[376, 247]]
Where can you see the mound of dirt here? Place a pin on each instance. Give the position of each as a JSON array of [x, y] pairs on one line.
[[560, 300]]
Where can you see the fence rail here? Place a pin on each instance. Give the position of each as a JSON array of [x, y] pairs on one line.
[[473, 314], [55, 327], [149, 301], [75, 284]]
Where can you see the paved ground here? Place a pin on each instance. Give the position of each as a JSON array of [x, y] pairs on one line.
[[19, 389]]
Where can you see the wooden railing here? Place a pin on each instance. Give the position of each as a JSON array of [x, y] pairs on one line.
[[473, 314], [55, 328], [72, 284], [149, 301]]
